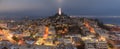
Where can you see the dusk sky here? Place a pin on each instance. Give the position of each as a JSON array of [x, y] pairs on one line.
[[49, 7]]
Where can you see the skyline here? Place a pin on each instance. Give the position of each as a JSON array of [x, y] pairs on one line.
[[59, 24], [49, 7]]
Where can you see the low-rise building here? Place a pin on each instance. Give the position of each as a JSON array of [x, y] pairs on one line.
[[95, 44]]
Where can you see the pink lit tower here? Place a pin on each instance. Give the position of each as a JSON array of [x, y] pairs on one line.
[[60, 11]]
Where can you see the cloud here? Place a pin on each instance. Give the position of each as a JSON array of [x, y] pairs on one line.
[[22, 5]]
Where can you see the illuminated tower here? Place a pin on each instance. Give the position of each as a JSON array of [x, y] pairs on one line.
[[59, 11]]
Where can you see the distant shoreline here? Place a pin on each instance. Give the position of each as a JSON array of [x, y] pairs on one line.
[[106, 20]]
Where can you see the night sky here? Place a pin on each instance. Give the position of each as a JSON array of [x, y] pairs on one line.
[[49, 7]]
